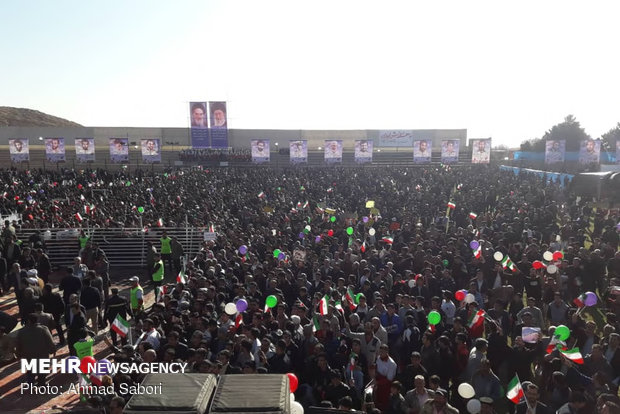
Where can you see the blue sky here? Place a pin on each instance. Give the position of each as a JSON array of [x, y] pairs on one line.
[[508, 70]]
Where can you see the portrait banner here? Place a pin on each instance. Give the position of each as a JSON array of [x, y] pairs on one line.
[[260, 150], [55, 149], [363, 151], [555, 151], [199, 128], [333, 151], [298, 151], [481, 151], [618, 151], [19, 150], [85, 149], [119, 149], [422, 151], [151, 150], [450, 151], [590, 151], [395, 138], [218, 125]]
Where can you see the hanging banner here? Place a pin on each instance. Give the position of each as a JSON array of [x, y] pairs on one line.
[[151, 151], [119, 149], [260, 150], [481, 151], [450, 151], [618, 151], [199, 128], [555, 151], [298, 151], [219, 124], [363, 151], [422, 151], [85, 149], [590, 151], [333, 151], [55, 149], [19, 150], [395, 138]]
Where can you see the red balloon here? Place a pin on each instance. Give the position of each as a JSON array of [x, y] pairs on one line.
[[86, 363], [557, 255], [330, 233], [80, 186], [537, 264], [460, 295], [293, 381]]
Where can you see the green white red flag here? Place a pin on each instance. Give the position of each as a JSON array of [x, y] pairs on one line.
[[323, 305], [507, 263], [477, 319], [472, 215], [120, 326], [514, 392], [573, 355], [350, 297]]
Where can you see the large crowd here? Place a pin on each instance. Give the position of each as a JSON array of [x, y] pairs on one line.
[[337, 273], [210, 154]]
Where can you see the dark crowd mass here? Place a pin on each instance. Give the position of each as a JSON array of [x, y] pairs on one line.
[[386, 307]]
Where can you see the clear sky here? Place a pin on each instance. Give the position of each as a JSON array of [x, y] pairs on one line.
[[507, 70]]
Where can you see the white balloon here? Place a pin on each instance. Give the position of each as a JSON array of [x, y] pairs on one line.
[[308, 227], [552, 269], [371, 231], [411, 283], [498, 256], [230, 308], [548, 256], [466, 390], [292, 397], [296, 408], [473, 406], [469, 298]]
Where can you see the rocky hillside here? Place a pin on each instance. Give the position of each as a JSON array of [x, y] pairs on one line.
[[23, 117]]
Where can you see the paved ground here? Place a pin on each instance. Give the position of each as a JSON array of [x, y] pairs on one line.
[[11, 398]]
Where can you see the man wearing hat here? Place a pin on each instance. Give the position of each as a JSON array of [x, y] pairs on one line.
[[438, 404], [136, 294], [486, 405]]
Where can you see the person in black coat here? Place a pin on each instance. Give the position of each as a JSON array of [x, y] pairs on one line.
[[76, 328], [44, 266], [531, 402], [116, 305], [9, 322], [69, 285], [53, 304], [3, 273]]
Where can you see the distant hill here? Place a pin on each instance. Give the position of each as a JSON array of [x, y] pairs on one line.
[[23, 117]]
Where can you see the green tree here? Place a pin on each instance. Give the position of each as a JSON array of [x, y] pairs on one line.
[[610, 137], [569, 130]]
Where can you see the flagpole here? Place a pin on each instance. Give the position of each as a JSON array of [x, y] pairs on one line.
[[520, 386], [130, 340]]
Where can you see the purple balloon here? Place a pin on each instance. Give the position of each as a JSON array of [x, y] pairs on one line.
[[243, 249], [591, 299], [365, 219], [317, 239], [41, 191], [242, 305], [103, 367], [301, 235], [282, 256], [474, 244]]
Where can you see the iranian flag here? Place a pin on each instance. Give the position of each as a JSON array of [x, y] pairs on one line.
[[555, 343], [120, 326], [573, 355], [262, 194], [580, 301], [451, 205], [323, 305], [363, 248], [507, 263], [182, 277], [78, 216], [477, 252], [473, 215], [350, 297], [338, 306], [316, 325], [306, 204], [160, 292], [477, 319], [211, 228], [238, 320], [514, 392], [388, 240], [160, 223]]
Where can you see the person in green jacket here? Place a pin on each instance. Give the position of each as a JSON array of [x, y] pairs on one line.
[[166, 249]]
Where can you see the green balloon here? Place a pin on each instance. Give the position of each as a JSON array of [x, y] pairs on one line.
[[357, 297], [276, 252], [332, 219], [434, 317], [349, 230], [562, 332], [140, 209], [128, 183], [445, 262], [271, 301]]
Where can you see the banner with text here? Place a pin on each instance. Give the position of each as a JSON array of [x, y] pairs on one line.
[[363, 151], [151, 150], [119, 149], [333, 151], [199, 127], [590, 151], [85, 149], [19, 150], [481, 151], [555, 151], [396, 138], [260, 150], [422, 151], [298, 151], [55, 149], [218, 125], [450, 151]]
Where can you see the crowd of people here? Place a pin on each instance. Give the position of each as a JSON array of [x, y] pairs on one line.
[[356, 260], [211, 154]]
